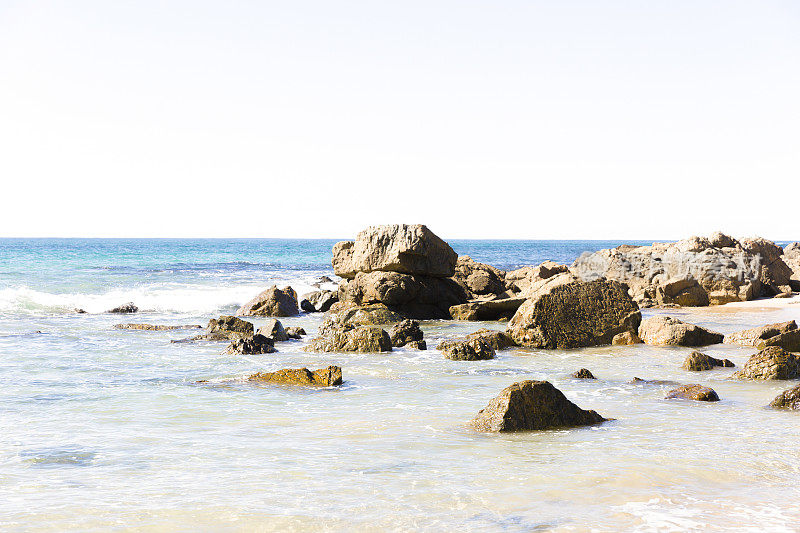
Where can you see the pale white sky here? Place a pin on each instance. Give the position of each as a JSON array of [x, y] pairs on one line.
[[515, 119]]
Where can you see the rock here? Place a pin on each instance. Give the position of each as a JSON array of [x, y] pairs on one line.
[[474, 349], [318, 301], [574, 315], [80, 311], [640, 381], [209, 337], [755, 336], [775, 273], [789, 341], [346, 315], [274, 330], [155, 327], [417, 345], [521, 280], [257, 344], [532, 405], [498, 340], [324, 377], [499, 309], [363, 339], [271, 302], [791, 256], [770, 363], [417, 297], [668, 331], [406, 332], [698, 361], [626, 338], [693, 392], [230, 326], [788, 399], [294, 332], [478, 278], [409, 249], [129, 307], [583, 373]]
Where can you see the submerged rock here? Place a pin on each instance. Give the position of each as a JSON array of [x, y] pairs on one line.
[[318, 301], [324, 377], [156, 327], [255, 345], [755, 336], [583, 373], [407, 332], [363, 339], [271, 302], [474, 349], [230, 326], [788, 399], [532, 405], [129, 307], [210, 337], [770, 363], [498, 340], [668, 331], [698, 361], [693, 392]]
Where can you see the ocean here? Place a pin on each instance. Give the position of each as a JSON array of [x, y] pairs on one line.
[[106, 429]]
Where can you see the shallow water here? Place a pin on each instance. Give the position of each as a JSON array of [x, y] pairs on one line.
[[105, 429]]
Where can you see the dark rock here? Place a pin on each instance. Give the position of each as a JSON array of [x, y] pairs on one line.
[[693, 392], [498, 340], [274, 330], [788, 399], [257, 344], [416, 345], [318, 301], [698, 361], [363, 339], [324, 377], [80, 311], [230, 326], [271, 302], [755, 336], [474, 349], [532, 405], [668, 331], [583, 373], [789, 341], [405, 332], [295, 332], [129, 307], [156, 327], [770, 363]]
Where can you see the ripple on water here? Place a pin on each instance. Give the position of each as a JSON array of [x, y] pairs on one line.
[[57, 457]]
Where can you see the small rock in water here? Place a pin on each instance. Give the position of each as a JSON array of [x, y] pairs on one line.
[[626, 338], [294, 332], [362, 339], [496, 339], [271, 302], [80, 311], [318, 301], [405, 332], [583, 373], [274, 330], [324, 377], [693, 392], [255, 345], [475, 349], [211, 337], [129, 307], [230, 326], [788, 399], [698, 361]]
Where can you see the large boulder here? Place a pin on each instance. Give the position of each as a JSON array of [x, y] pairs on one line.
[[788, 399], [318, 301], [698, 361], [347, 315], [363, 339], [693, 392], [324, 377], [755, 336], [770, 363], [532, 405], [271, 302], [469, 349], [668, 331], [789, 341], [406, 248], [408, 333], [477, 278], [230, 327], [575, 314]]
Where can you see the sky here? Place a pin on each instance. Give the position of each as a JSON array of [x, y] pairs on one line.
[[502, 119]]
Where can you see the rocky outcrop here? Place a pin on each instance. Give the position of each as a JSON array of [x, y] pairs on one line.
[[583, 373], [253, 345], [324, 377], [470, 349], [626, 338], [521, 280], [407, 333], [362, 339], [770, 363], [129, 307], [271, 302], [347, 315], [230, 326], [532, 405], [693, 392], [318, 301], [295, 332], [775, 273], [694, 272], [156, 327], [273, 329], [408, 249], [668, 331], [574, 314], [756, 336], [788, 399], [789, 341], [498, 340], [486, 309], [478, 279], [698, 361]]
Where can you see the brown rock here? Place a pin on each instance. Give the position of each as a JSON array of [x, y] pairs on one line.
[[362, 339], [255, 345], [230, 326], [273, 329], [406, 332], [271, 302], [788, 399], [129, 307], [478, 278], [770, 363], [583, 373], [496, 309], [755, 336], [668, 331], [474, 349], [324, 377], [498, 340], [294, 332], [626, 338], [698, 361], [318, 301], [789, 341], [346, 315], [694, 392]]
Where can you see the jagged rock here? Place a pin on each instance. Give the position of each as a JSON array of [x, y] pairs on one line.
[[346, 315], [407, 332], [155, 327], [324, 377], [257, 344], [498, 340], [129, 307], [788, 399], [470, 349], [294, 332], [693, 392], [418, 297], [318, 301], [789, 341], [775, 273], [230, 326], [497, 309], [274, 330], [668, 331], [770, 363], [521, 280], [626, 338], [271, 302], [409, 249], [363, 339], [698, 361], [791, 256], [583, 373], [574, 315], [478, 278], [755, 336], [532, 405]]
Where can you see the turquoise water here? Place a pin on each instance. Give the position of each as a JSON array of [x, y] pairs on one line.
[[104, 429]]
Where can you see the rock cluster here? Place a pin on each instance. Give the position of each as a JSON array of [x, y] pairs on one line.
[[324, 377], [271, 302], [668, 331], [791, 256], [789, 341], [770, 363], [698, 361]]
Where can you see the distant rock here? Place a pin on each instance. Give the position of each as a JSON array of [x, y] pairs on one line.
[[407, 332], [273, 329], [693, 392], [230, 326], [532, 405], [295, 332], [129, 307], [156, 327], [363, 339], [668, 331], [788, 399], [583, 373], [271, 302], [498, 340], [474, 349], [698, 361], [755, 336], [318, 301], [324, 377], [255, 345], [770, 363], [80, 311]]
